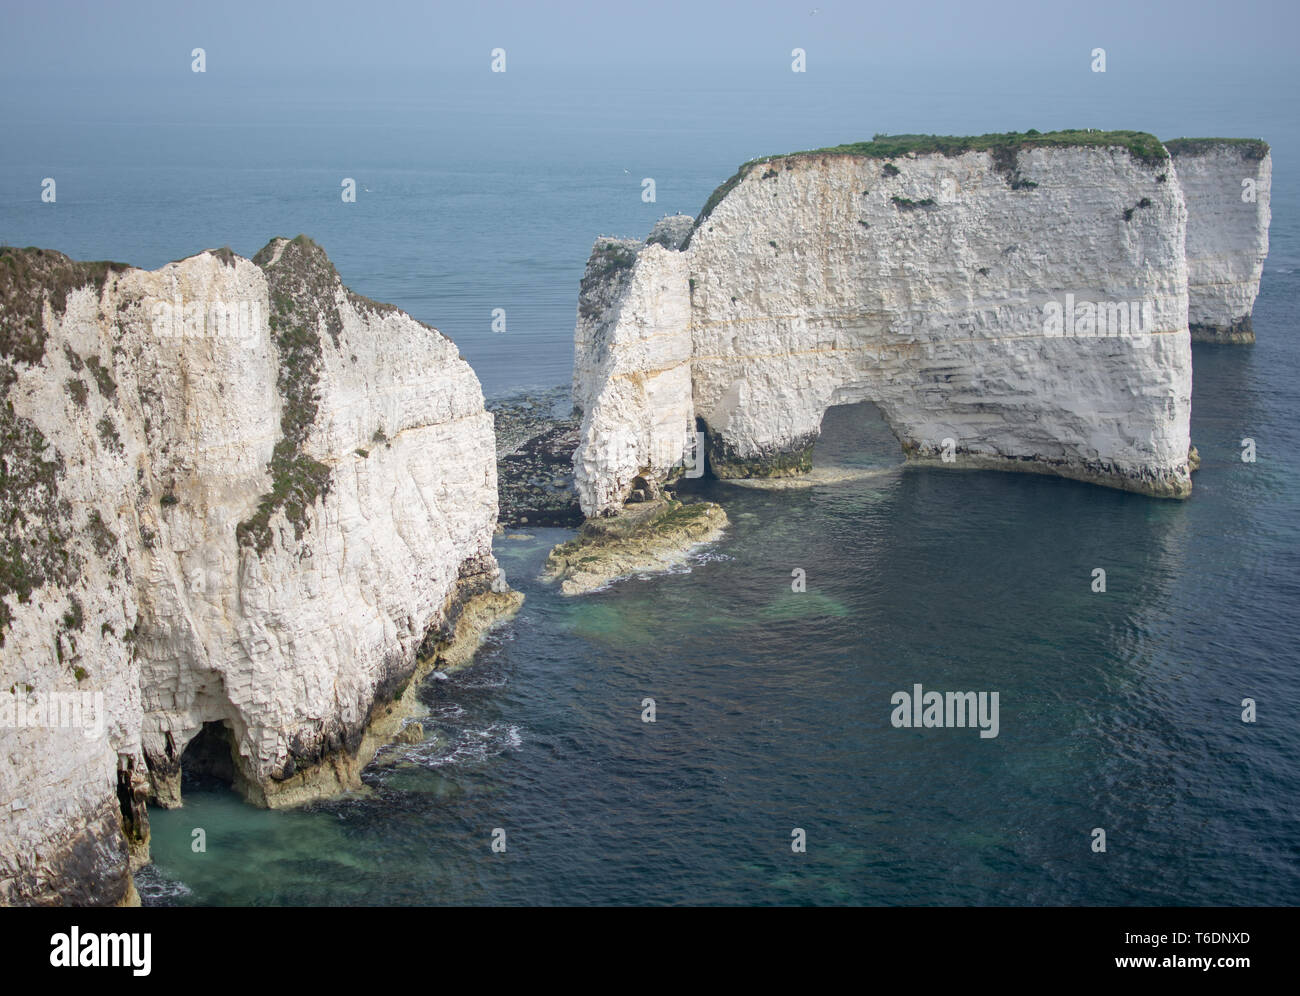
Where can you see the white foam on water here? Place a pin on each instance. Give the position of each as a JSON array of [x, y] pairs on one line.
[[156, 888], [470, 746]]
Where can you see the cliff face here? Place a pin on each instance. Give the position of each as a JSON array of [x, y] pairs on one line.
[[240, 501], [1227, 183], [1022, 309]]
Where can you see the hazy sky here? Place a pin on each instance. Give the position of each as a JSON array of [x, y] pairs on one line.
[[76, 40]]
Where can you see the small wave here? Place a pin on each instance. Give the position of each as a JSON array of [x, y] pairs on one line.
[[682, 567], [474, 746], [710, 556], [446, 712], [817, 477], [485, 684], [694, 556]]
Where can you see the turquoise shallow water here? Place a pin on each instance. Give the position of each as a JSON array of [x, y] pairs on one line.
[[1118, 710]]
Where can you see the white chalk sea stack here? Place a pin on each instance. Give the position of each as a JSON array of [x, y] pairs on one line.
[[632, 377], [241, 502], [1228, 186], [1010, 302]]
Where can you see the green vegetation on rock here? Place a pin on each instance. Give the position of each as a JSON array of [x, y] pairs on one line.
[[77, 391], [1142, 146], [225, 254], [74, 617], [103, 379], [611, 257], [716, 197], [28, 279], [34, 545], [301, 285], [1250, 148], [1004, 147], [103, 538], [1145, 202], [108, 434], [726, 464]]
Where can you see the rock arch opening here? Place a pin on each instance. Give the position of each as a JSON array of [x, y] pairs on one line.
[[855, 436]]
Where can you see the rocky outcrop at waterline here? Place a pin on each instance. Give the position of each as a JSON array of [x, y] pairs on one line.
[[647, 536], [243, 508], [1014, 301], [654, 533]]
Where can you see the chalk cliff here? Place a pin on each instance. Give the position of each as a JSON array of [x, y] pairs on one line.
[[1008, 301], [1227, 184], [241, 502]]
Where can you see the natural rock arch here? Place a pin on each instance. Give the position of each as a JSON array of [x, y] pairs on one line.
[[935, 282]]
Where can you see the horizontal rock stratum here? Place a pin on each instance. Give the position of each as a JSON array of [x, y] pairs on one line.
[[241, 503], [1013, 301]]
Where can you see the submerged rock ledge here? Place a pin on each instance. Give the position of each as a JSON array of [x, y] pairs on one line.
[[650, 536]]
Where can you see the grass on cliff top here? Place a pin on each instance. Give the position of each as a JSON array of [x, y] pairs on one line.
[[227, 255], [1250, 148], [28, 278], [1144, 147], [608, 256], [1004, 147]]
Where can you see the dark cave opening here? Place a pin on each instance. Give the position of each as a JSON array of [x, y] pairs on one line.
[[209, 759]]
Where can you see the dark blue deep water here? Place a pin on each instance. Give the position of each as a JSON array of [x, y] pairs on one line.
[[1118, 710]]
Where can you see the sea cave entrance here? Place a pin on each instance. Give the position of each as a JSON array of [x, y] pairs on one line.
[[208, 761]]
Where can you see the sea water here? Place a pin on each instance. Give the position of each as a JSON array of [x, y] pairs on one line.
[[772, 708]]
